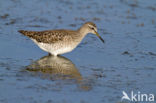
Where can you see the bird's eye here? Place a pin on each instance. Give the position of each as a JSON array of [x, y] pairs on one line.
[[92, 28]]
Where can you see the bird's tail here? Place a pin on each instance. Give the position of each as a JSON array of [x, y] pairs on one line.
[[26, 33]]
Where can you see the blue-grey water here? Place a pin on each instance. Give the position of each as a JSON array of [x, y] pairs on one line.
[[94, 72]]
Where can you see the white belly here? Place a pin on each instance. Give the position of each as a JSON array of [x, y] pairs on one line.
[[55, 49]]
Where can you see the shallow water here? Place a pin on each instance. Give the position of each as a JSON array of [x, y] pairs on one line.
[[94, 72]]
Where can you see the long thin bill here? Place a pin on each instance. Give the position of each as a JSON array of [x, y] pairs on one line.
[[99, 37]]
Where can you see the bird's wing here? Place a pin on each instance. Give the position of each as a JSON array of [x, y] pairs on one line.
[[51, 36]]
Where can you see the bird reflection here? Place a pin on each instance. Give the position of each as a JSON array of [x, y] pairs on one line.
[[57, 68]]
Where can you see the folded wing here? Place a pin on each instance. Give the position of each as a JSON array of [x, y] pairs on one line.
[[50, 36]]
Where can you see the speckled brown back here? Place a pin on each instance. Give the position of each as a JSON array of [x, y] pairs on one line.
[[49, 36]]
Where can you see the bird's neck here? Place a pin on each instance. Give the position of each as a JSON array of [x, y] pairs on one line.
[[83, 31]]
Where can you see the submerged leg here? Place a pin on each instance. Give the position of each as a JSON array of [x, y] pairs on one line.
[[49, 54]]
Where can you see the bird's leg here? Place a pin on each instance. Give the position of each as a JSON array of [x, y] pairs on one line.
[[49, 54]]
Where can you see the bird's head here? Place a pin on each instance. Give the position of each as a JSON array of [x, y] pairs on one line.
[[90, 27]]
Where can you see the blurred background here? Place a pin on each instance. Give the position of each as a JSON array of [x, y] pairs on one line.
[[94, 72]]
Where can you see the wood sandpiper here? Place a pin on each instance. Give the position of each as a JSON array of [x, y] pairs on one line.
[[61, 41]]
